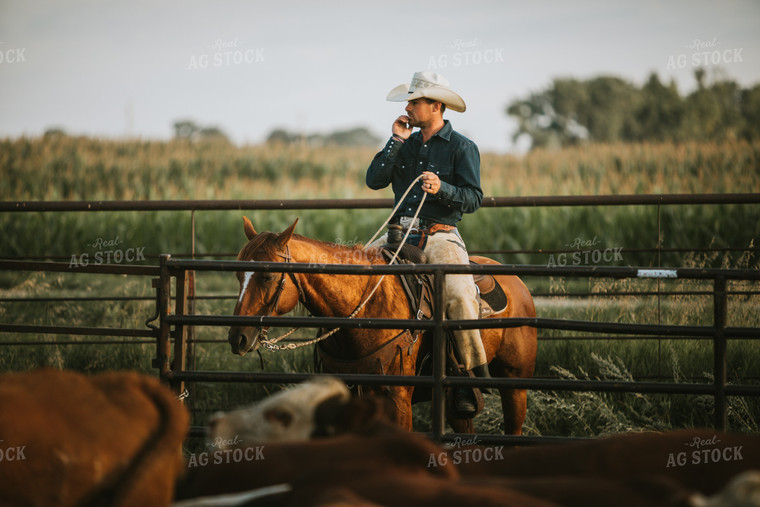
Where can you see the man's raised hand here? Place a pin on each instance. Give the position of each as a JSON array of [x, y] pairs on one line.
[[401, 127]]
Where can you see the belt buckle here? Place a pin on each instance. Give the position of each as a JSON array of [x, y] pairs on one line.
[[409, 223]]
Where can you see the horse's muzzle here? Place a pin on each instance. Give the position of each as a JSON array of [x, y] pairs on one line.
[[243, 339]]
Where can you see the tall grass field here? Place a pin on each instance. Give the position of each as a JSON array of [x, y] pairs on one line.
[[68, 168]]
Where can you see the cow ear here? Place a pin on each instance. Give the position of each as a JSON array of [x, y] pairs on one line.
[[280, 416], [250, 232], [284, 236]]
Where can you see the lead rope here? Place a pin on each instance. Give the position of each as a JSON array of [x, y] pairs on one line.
[[272, 344]]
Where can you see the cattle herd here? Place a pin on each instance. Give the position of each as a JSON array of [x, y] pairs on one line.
[[116, 439]]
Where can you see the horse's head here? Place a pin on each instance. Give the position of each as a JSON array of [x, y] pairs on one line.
[[262, 293]]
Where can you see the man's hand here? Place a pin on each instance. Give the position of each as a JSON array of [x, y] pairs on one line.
[[401, 127], [430, 182]]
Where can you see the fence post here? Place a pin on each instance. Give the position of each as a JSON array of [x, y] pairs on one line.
[[190, 358], [659, 285], [164, 302], [720, 305], [438, 407], [180, 332]]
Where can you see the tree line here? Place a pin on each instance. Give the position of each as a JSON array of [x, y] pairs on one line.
[[611, 109], [359, 136]]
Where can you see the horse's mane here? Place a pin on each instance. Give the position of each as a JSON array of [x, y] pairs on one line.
[[263, 242], [259, 242]]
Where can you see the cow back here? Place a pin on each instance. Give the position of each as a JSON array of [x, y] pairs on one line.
[[108, 439]]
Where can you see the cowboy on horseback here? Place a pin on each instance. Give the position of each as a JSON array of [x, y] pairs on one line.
[[448, 165]]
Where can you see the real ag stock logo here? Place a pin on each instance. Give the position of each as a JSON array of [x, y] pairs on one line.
[[227, 451], [11, 453], [586, 253], [463, 53], [705, 452], [106, 253], [226, 53], [705, 53], [9, 55], [465, 451]]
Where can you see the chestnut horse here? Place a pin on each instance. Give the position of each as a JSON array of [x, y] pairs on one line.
[[511, 352]]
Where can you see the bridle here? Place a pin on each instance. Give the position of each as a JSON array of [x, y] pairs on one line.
[[271, 308]]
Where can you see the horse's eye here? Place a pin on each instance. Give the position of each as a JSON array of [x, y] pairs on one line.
[[267, 277]]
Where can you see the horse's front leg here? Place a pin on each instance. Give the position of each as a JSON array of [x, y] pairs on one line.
[[401, 396]]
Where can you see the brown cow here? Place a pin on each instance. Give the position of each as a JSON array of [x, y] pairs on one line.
[[700, 460], [112, 439], [399, 490], [378, 464], [356, 479], [338, 457], [325, 485], [399, 468], [394, 488]]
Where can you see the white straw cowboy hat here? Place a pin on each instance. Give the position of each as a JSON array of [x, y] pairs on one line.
[[429, 85]]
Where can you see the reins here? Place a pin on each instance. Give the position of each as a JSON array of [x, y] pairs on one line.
[[272, 344]]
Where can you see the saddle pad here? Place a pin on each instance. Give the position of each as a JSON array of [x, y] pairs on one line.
[[492, 296]]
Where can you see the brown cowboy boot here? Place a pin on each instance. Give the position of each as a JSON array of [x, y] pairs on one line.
[[465, 400]]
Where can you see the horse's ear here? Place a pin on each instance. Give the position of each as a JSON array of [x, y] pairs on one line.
[[284, 236], [250, 232]]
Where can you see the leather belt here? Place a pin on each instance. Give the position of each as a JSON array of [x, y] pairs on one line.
[[422, 225], [439, 227]]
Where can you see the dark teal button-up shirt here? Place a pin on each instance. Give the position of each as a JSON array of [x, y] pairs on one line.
[[450, 155]]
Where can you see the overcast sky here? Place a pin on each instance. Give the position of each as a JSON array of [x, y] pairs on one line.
[[132, 68]]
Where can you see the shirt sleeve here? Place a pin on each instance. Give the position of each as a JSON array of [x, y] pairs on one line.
[[380, 170], [464, 193]]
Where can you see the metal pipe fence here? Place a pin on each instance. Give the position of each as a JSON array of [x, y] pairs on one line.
[[312, 204], [174, 325], [657, 200]]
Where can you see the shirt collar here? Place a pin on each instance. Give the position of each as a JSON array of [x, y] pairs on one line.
[[444, 133]]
